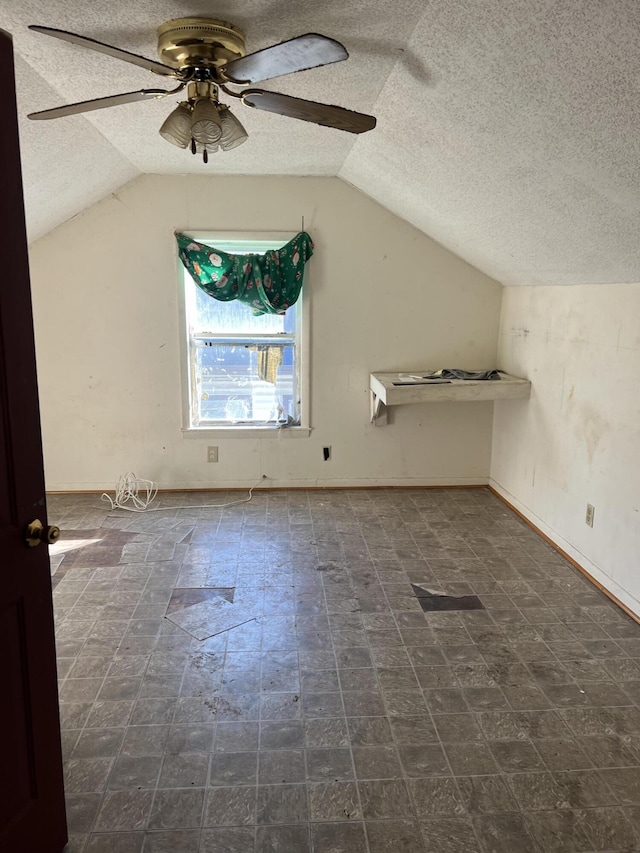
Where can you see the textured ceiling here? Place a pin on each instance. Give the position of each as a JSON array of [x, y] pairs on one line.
[[522, 153], [507, 129]]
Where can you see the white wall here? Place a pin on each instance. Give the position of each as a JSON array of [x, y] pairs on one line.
[[577, 440], [384, 297]]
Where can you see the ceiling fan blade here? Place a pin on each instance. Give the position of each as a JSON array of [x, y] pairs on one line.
[[325, 114], [101, 103], [298, 54], [116, 52]]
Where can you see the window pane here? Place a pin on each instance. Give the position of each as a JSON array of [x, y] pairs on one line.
[[245, 384], [233, 317], [242, 372]]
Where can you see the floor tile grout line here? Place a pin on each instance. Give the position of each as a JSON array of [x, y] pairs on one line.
[[405, 776], [335, 657], [169, 724], [135, 700], [440, 742], [84, 727], [306, 785], [608, 629]]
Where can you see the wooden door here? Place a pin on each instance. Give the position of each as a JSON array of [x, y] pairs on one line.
[[32, 816]]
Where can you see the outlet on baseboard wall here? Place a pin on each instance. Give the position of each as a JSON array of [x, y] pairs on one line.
[[212, 454], [590, 514]]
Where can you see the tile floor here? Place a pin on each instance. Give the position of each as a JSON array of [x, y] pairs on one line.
[[345, 719]]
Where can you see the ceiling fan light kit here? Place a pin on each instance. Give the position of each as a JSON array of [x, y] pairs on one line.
[[206, 55], [203, 123], [176, 128], [233, 133]]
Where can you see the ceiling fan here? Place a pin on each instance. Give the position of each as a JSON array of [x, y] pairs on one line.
[[205, 56]]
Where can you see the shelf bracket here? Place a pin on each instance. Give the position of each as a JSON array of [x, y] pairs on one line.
[[378, 410]]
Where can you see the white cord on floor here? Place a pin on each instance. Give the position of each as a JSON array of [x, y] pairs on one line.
[[129, 487]]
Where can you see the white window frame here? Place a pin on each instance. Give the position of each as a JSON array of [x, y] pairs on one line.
[[303, 349]]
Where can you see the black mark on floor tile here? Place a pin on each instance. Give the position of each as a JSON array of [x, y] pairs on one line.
[[430, 601]]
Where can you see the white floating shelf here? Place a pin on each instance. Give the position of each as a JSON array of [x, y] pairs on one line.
[[397, 389]]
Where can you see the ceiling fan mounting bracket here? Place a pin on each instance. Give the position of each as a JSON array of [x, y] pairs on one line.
[[188, 42]]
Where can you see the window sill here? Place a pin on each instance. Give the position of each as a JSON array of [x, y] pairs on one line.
[[247, 432]]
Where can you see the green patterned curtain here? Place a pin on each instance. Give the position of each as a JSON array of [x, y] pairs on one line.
[[269, 283]]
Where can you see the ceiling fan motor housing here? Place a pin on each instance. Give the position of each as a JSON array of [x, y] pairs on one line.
[[188, 42]]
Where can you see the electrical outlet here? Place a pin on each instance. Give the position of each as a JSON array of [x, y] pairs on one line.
[[326, 453], [589, 516], [212, 454]]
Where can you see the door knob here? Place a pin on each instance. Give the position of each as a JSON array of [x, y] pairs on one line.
[[36, 533]]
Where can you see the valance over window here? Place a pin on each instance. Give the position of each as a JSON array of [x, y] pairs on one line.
[[269, 283]]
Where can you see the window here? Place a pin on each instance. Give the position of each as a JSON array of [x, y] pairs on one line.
[[242, 372]]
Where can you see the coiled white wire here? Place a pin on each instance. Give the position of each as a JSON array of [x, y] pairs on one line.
[[135, 495], [128, 489]]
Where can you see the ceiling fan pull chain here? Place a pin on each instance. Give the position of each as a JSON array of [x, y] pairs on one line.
[[193, 146], [205, 155]]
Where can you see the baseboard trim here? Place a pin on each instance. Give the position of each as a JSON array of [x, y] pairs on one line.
[[280, 489], [576, 565]]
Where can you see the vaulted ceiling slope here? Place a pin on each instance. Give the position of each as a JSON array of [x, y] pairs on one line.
[[507, 129]]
